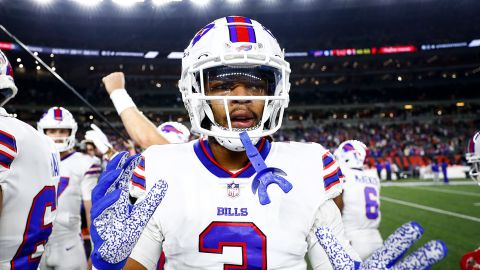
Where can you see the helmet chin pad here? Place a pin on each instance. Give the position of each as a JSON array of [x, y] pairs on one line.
[[68, 143], [234, 144]]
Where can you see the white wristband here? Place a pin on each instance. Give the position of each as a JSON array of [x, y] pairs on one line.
[[121, 100]]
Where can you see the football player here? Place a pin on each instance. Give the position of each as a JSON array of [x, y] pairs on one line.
[[471, 260], [473, 157], [234, 79], [361, 198], [78, 176], [29, 171]]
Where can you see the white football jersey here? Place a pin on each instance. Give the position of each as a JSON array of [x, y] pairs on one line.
[[361, 198], [78, 176], [29, 170], [361, 211], [210, 218]]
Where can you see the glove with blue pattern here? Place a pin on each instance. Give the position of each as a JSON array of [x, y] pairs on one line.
[[388, 256], [116, 222]]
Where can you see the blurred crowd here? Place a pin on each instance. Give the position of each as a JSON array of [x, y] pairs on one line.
[[385, 141]]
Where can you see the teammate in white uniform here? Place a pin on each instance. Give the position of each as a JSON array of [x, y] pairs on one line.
[[361, 198], [79, 174], [29, 170], [473, 157], [210, 218]]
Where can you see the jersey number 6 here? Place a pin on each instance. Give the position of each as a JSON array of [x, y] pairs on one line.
[[36, 231], [371, 202], [236, 234]]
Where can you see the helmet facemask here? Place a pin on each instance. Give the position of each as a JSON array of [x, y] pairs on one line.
[[473, 157], [8, 89], [226, 111], [216, 62], [474, 161]]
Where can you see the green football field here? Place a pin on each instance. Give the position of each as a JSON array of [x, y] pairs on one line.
[[447, 212]]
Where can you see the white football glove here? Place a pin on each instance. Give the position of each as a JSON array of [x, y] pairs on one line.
[[388, 256], [98, 138]]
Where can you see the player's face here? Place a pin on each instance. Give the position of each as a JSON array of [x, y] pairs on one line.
[[90, 149], [243, 113], [57, 134]]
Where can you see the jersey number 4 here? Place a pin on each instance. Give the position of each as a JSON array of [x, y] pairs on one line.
[[236, 234], [36, 231]]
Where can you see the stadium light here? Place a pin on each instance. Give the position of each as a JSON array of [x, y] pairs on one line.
[[162, 2], [408, 106], [460, 104], [201, 2], [127, 2], [43, 1], [88, 2]]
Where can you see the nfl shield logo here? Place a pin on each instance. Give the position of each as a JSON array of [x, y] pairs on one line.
[[233, 190]]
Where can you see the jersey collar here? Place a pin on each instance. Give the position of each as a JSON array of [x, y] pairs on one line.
[[205, 155], [67, 156]]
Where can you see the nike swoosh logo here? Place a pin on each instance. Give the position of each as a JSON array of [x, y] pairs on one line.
[[68, 248]]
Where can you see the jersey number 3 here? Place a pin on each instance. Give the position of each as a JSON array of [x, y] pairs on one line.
[[236, 234], [36, 231]]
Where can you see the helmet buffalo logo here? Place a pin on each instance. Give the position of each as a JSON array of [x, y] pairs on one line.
[[170, 128], [202, 32], [348, 147], [245, 47]]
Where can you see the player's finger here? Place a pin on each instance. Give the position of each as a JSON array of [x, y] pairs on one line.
[[106, 180], [396, 245], [424, 257], [336, 253], [128, 168], [117, 161], [96, 128], [144, 209]]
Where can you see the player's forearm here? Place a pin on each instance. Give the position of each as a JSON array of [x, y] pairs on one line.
[[88, 206], [133, 265], [339, 202], [140, 128]]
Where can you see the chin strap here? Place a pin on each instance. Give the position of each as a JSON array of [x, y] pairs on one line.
[[265, 175]]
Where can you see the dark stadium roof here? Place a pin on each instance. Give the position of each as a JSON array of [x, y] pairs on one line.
[[298, 24]]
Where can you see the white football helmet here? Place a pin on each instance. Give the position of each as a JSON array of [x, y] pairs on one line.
[[234, 49], [351, 154], [7, 87], [59, 118], [473, 157], [174, 132]]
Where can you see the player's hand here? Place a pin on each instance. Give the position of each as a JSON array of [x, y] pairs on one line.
[[388, 256], [98, 138], [114, 81], [116, 222], [471, 260]]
